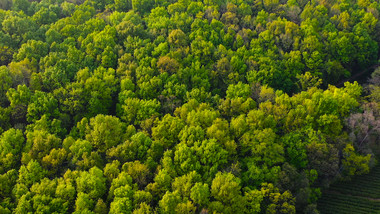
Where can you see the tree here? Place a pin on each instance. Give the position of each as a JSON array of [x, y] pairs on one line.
[[79, 149], [21, 72], [44, 16], [99, 91], [19, 100], [365, 46], [121, 5], [5, 5], [374, 86], [200, 194], [38, 145], [265, 149], [131, 25], [66, 190], [295, 149], [161, 185], [53, 126], [185, 183], [122, 180], [177, 38], [191, 134], [238, 90], [324, 158], [136, 148], [31, 173], [185, 159], [166, 64], [139, 172], [307, 81], [100, 207], [111, 170], [353, 163], [225, 188], [44, 200], [5, 84], [108, 58], [141, 197], [21, 5], [19, 28], [142, 6], [32, 50], [6, 55], [143, 209], [169, 202], [92, 183], [24, 204], [7, 183], [211, 156], [185, 207], [278, 202], [54, 160], [104, 132], [236, 106], [42, 104], [253, 200], [220, 131], [167, 130], [134, 110], [83, 203], [121, 205]]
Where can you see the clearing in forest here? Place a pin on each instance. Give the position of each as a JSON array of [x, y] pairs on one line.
[[360, 195]]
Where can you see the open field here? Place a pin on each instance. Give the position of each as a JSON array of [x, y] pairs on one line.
[[361, 195]]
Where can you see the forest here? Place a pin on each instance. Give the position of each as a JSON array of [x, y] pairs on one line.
[[203, 106]]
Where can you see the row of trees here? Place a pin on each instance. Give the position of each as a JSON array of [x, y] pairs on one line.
[[183, 106]]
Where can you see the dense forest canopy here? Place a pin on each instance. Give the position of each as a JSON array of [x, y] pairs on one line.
[[165, 106]]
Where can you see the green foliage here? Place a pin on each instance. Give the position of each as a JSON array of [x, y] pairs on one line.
[[11, 143], [30, 174], [5, 84], [225, 188], [355, 164], [142, 6], [91, 183], [134, 110], [104, 132], [155, 106], [42, 104]]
